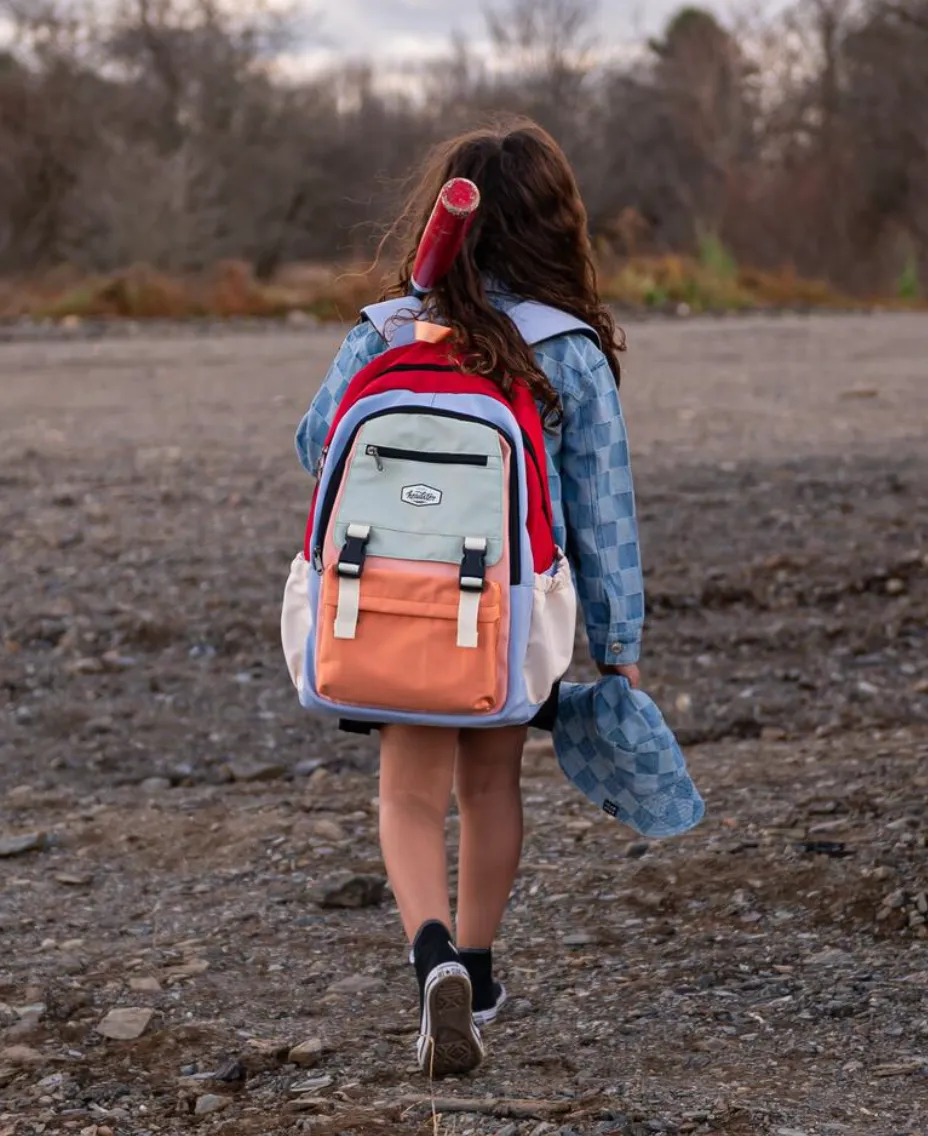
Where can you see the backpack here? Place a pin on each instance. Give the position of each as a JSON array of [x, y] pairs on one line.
[[430, 589]]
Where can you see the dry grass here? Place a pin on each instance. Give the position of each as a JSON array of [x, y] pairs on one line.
[[329, 293]]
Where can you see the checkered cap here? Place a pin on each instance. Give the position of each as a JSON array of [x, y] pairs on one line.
[[613, 744]]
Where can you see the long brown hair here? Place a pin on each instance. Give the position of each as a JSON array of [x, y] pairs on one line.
[[530, 239]]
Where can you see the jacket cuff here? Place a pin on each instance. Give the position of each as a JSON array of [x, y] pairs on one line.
[[618, 654]]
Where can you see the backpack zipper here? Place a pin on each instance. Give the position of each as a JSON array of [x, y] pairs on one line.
[[431, 457], [321, 522]]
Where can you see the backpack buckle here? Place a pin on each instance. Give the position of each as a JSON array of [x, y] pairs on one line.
[[474, 564], [354, 551]]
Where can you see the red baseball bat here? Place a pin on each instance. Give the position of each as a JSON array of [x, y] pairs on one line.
[[444, 234]]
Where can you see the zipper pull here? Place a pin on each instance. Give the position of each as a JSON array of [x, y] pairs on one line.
[[321, 462], [375, 454]]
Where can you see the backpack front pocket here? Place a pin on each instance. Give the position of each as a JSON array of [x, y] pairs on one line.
[[390, 639]]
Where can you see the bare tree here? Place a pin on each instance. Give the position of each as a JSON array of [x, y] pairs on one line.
[[162, 130]]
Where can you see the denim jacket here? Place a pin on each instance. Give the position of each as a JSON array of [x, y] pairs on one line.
[[589, 472]]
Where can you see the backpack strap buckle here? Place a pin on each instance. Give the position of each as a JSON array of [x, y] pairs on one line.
[[348, 569], [354, 551], [473, 580], [474, 564]]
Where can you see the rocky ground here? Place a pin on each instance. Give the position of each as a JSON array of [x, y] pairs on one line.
[[194, 928]]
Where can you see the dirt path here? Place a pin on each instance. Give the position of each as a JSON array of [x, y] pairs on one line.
[[766, 974]]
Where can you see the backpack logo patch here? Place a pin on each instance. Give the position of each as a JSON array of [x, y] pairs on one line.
[[421, 495]]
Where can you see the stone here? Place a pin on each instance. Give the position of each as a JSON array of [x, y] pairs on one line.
[[307, 766], [895, 899], [146, 984], [189, 969], [578, 939], [248, 771], [325, 829], [20, 1056], [313, 1085], [635, 849], [19, 845], [52, 1083], [349, 890], [358, 984], [308, 1104], [306, 1054], [833, 956], [74, 879], [152, 786], [209, 1103], [230, 1072], [126, 1023]]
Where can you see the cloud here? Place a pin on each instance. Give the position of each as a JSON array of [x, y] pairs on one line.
[[398, 34], [384, 28]]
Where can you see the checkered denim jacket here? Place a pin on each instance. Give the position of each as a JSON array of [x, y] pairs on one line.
[[590, 479]]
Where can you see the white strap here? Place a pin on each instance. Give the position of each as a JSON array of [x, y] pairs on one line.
[[468, 610], [471, 590], [349, 606], [349, 587], [359, 532]]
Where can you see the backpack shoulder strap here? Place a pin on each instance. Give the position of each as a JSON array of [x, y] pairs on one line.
[[536, 322], [394, 319]]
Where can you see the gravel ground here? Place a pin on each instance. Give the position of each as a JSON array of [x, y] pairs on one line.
[[176, 837]]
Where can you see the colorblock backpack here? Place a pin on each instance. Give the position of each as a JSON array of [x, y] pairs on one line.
[[430, 590]]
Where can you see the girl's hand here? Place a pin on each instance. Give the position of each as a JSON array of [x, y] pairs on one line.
[[629, 672]]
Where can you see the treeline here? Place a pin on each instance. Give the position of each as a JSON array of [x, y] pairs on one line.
[[167, 132]]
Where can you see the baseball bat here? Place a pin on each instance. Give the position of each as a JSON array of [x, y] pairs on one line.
[[447, 228]]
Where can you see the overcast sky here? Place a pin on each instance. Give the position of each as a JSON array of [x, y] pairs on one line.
[[392, 29]]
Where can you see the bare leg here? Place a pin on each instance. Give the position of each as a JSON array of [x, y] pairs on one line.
[[489, 797], [416, 776]]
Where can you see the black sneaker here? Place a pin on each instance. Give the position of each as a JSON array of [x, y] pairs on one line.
[[449, 1041], [489, 995]]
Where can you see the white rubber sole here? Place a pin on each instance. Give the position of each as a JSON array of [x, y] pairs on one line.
[[449, 1040], [485, 1017]]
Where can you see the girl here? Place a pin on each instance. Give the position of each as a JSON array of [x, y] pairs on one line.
[[529, 242]]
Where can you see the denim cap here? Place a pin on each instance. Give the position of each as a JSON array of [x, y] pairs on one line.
[[613, 744]]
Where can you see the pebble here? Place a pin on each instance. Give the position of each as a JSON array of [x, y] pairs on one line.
[[20, 1055], [154, 785], [325, 829], [307, 766], [53, 1083], [308, 1104], [256, 771], [306, 1054], [125, 1024], [831, 957], [895, 899], [790, 1132], [19, 845], [209, 1103], [578, 939], [145, 985], [358, 984], [635, 849], [313, 1085], [74, 879], [348, 890]]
